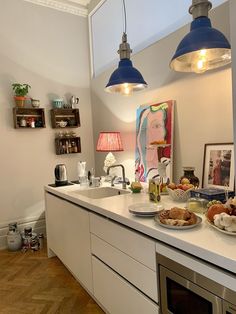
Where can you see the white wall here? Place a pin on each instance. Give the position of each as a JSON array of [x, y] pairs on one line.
[[49, 50], [203, 112]]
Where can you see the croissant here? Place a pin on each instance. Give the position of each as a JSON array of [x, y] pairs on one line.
[[177, 217]]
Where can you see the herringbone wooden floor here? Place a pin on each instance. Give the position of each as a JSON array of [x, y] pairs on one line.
[[30, 283]]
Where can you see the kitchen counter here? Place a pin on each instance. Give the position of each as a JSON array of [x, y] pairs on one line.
[[202, 241]]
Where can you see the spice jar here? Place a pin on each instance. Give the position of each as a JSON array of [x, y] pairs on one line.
[[189, 174]]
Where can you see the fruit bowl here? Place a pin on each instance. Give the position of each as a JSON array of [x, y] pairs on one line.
[[179, 195]]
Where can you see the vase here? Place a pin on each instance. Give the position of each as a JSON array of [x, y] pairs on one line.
[[189, 174], [20, 101]]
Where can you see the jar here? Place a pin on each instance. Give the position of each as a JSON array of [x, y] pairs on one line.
[[14, 241], [30, 239], [189, 174], [197, 205], [23, 122], [32, 123], [154, 190]]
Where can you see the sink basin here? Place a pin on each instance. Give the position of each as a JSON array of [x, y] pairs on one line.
[[100, 192]]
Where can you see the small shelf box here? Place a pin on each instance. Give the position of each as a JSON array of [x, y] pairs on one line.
[[70, 116], [67, 145], [37, 114]]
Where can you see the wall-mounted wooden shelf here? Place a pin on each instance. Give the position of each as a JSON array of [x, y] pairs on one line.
[[70, 116], [23, 117], [67, 145]]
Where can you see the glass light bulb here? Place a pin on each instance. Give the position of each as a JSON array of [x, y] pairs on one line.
[[200, 62], [126, 89]]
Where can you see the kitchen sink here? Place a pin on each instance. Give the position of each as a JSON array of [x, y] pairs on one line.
[[96, 193]]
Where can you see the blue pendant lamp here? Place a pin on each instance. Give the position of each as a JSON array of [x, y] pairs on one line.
[[125, 79], [204, 47]]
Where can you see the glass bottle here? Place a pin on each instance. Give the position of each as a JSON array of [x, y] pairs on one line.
[[189, 174], [154, 190], [14, 240]]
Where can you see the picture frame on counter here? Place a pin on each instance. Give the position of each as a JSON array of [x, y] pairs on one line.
[[218, 166]]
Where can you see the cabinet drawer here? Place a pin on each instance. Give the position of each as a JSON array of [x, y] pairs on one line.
[[136, 273], [117, 295], [128, 241]]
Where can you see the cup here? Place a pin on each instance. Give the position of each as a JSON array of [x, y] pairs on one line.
[[95, 182], [83, 180]]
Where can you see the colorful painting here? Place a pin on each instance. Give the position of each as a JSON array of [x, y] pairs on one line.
[[154, 140]]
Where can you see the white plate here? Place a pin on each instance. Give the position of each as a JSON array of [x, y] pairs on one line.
[[221, 230], [145, 209], [199, 220]]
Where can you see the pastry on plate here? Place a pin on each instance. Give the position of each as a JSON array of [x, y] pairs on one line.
[[177, 217]]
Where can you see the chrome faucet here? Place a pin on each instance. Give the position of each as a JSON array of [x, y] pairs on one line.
[[123, 173], [112, 180]]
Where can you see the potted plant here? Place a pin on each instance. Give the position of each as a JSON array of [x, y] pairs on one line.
[[20, 90]]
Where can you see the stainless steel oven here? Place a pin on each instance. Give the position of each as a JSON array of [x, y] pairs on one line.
[[184, 291]]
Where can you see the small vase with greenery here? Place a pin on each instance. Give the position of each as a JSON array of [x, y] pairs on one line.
[[20, 90]]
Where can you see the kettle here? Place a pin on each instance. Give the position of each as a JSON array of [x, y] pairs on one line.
[[60, 175]]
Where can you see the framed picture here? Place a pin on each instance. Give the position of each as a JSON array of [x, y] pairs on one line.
[[218, 166]]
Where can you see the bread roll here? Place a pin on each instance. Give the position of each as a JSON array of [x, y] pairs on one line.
[[216, 209], [179, 213]]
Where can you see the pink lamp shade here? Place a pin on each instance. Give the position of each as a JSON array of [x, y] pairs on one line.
[[109, 142]]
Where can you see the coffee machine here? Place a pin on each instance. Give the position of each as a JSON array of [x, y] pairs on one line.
[[60, 175]]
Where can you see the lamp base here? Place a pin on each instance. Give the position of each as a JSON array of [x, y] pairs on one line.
[[109, 161]]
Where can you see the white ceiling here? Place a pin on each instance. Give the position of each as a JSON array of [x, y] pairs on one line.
[[76, 7]]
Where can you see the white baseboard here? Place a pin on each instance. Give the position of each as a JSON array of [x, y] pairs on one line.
[[38, 226]]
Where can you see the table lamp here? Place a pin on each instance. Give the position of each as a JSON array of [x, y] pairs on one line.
[[109, 142]]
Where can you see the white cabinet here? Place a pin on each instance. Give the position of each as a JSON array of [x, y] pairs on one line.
[[124, 268], [117, 295], [68, 237], [132, 243], [116, 264]]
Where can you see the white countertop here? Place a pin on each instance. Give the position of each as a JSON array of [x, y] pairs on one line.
[[202, 241]]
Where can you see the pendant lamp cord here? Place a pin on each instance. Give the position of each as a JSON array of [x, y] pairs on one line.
[[125, 21]]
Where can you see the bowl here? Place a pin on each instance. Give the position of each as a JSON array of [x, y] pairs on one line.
[[62, 124], [179, 195]]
